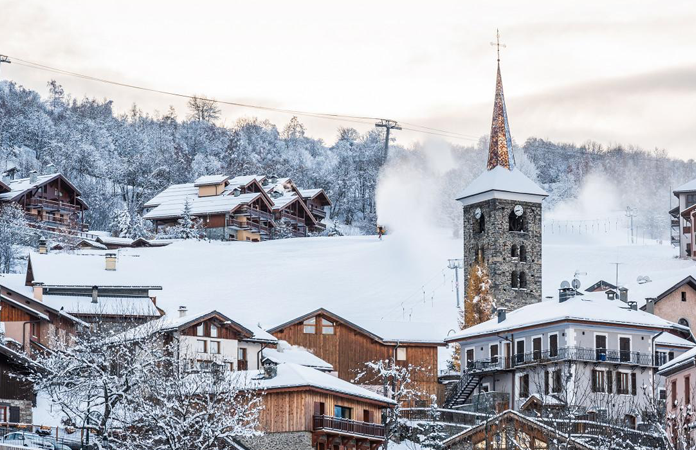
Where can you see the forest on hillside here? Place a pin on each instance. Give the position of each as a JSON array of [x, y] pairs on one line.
[[119, 161]]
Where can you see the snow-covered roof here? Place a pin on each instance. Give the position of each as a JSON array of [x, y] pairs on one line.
[[286, 353], [89, 269], [20, 305], [591, 307], [283, 201], [174, 207], [246, 179], [173, 192], [105, 306], [111, 240], [382, 330], [670, 340], [291, 375], [207, 180], [501, 180], [21, 185], [685, 359], [660, 287], [689, 186]]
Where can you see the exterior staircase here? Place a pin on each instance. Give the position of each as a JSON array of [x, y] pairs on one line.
[[460, 391]]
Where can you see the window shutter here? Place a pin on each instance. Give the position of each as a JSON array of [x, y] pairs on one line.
[[610, 381], [318, 407], [634, 384], [546, 382], [372, 417], [594, 381], [14, 414]]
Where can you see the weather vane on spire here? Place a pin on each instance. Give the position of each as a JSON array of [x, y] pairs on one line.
[[497, 42]]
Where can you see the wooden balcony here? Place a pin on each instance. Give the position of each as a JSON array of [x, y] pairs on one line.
[[317, 212], [263, 215], [53, 205], [347, 427]]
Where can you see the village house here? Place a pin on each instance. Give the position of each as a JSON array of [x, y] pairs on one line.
[[245, 208], [680, 376], [50, 202], [16, 395], [673, 299], [348, 345], [306, 409], [682, 219], [587, 351]]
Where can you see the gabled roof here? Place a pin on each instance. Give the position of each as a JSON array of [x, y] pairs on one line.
[[601, 285], [83, 305], [681, 362], [173, 192], [670, 340], [200, 206], [173, 323], [21, 186], [210, 180], [689, 186], [4, 187], [25, 308], [382, 331], [660, 289], [286, 353], [311, 194]]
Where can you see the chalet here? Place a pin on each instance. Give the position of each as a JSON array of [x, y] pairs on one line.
[[49, 201], [582, 350], [101, 287], [673, 299], [679, 375], [16, 395], [305, 409], [209, 338], [349, 345], [682, 219], [243, 208]]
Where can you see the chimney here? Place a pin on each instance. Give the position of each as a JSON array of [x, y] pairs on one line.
[[633, 305], [501, 314], [237, 192], [611, 295], [270, 370], [6, 178], [95, 294], [650, 305], [33, 177], [49, 169], [182, 310], [38, 290], [565, 294], [623, 294], [110, 261], [43, 248]]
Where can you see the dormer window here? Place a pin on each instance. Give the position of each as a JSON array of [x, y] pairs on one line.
[[310, 326]]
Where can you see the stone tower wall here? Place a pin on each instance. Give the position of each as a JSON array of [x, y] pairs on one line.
[[496, 241]]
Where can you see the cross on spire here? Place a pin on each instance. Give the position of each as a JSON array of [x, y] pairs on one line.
[[497, 42]]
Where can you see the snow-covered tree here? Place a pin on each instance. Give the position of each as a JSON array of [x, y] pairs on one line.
[[478, 303], [188, 227], [13, 233], [431, 433]]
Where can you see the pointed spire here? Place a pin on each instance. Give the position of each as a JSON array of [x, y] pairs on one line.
[[500, 148]]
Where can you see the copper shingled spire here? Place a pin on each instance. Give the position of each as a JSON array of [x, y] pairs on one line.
[[500, 148]]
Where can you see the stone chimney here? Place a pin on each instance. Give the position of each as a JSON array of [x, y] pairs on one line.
[[182, 311], [502, 314], [38, 290], [650, 305], [270, 370], [623, 294], [95, 294], [43, 247], [49, 169], [33, 176], [110, 261]]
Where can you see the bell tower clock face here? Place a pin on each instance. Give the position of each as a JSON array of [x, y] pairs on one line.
[[477, 213], [519, 210]]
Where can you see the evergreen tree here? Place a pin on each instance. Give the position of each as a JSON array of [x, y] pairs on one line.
[[479, 303], [189, 227], [432, 433]]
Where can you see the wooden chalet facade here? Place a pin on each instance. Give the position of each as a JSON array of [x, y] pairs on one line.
[[247, 208], [348, 347], [305, 409], [50, 202]]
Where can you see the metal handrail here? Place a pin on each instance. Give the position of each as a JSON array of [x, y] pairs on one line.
[[323, 422]]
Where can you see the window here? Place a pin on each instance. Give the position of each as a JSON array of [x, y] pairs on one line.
[[200, 346], [674, 392], [469, 358], [598, 383], [479, 224], [215, 347], [634, 384], [683, 296], [401, 354], [553, 345], [319, 408], [213, 331], [34, 329], [327, 327], [200, 330], [660, 358], [494, 353], [514, 251], [524, 386], [687, 390], [690, 199], [523, 253], [516, 223], [310, 326], [343, 412], [523, 280], [622, 383], [662, 393], [514, 280], [601, 347], [519, 350], [624, 349], [536, 348], [557, 381], [670, 356], [610, 381], [366, 416]]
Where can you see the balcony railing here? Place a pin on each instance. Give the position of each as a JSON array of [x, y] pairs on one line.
[[53, 204], [317, 211], [562, 354], [287, 215], [254, 213], [347, 426]]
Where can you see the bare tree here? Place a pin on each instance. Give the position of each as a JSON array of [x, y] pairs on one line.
[[203, 109]]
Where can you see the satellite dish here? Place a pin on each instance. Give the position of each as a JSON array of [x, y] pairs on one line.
[[565, 285], [576, 284]]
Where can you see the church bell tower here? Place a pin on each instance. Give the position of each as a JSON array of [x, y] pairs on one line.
[[502, 219]]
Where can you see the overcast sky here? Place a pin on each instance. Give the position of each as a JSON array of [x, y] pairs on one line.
[[614, 72]]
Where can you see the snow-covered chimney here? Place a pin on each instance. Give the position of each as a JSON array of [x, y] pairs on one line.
[[38, 290], [270, 370], [49, 169], [95, 294], [6, 178], [43, 247], [633, 305], [611, 295], [650, 305], [33, 176], [110, 261], [182, 310], [565, 294], [623, 294], [237, 192], [501, 314]]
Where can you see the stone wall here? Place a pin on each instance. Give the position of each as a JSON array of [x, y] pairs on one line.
[[299, 440], [25, 411], [496, 242]]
